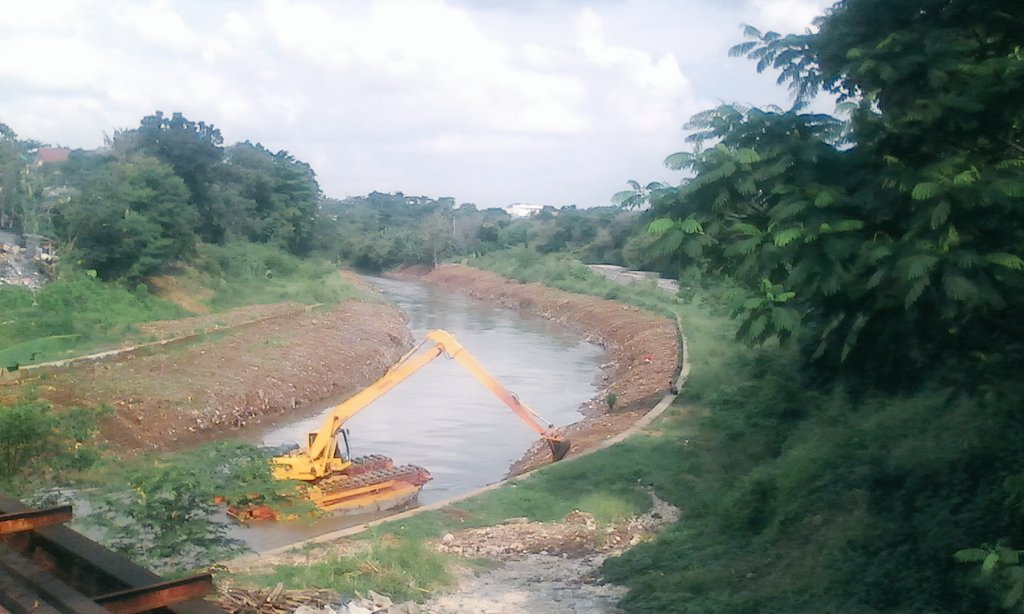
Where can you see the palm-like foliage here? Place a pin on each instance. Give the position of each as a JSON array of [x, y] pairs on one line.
[[899, 228]]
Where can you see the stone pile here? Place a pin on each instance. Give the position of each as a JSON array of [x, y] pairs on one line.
[[25, 266]]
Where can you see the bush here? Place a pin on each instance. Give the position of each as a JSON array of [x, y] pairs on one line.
[[250, 273], [37, 444]]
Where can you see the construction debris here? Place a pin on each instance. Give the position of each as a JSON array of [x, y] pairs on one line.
[[25, 261], [279, 600], [275, 600]]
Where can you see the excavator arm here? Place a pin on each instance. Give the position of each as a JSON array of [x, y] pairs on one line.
[[318, 458]]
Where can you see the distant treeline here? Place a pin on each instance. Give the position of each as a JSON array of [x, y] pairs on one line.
[[381, 231], [152, 194]]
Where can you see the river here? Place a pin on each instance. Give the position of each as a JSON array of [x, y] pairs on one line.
[[441, 418]]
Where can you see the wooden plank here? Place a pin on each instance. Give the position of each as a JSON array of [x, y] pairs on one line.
[[16, 522], [145, 598]]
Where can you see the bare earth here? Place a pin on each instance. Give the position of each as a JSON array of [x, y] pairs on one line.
[[280, 361]]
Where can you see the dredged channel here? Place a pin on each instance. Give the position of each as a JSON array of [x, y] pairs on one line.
[[441, 417]]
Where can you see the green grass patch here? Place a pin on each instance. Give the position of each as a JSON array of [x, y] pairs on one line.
[[78, 314], [71, 315], [403, 569], [249, 273], [562, 272]]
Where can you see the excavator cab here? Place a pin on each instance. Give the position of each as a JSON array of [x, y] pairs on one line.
[[347, 454]]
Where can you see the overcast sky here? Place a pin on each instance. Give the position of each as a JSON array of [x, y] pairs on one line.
[[487, 101]]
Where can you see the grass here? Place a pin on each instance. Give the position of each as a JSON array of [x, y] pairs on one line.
[[403, 569], [248, 274], [562, 272], [68, 316], [77, 314]]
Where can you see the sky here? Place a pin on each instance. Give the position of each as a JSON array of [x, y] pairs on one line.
[[487, 101]]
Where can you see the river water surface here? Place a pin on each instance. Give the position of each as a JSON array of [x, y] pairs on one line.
[[441, 418]]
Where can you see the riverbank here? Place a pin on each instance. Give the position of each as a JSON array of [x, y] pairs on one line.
[[248, 367], [643, 346], [229, 374]]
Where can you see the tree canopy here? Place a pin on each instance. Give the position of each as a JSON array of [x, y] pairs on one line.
[[897, 226]]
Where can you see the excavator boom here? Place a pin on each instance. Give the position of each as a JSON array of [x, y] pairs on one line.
[[319, 459]]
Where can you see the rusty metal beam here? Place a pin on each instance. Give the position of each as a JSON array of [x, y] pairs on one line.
[[145, 598], [35, 587], [84, 564], [16, 522]]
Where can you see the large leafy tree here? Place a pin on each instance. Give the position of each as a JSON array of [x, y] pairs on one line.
[[898, 227], [130, 219], [268, 197], [192, 149]]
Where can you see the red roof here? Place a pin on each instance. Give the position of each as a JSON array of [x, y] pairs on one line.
[[51, 154]]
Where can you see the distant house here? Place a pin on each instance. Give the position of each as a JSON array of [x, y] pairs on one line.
[[523, 209], [46, 155]]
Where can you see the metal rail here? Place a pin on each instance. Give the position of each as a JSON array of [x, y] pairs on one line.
[[47, 568]]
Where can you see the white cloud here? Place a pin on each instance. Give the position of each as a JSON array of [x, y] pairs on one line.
[[487, 102], [50, 62], [645, 93], [786, 16], [156, 23]]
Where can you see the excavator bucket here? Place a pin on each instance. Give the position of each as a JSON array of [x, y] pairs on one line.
[[559, 449]]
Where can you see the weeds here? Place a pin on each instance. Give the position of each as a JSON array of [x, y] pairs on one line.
[[77, 313], [403, 569]]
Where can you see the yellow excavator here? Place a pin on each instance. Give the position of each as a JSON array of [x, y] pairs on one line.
[[338, 483]]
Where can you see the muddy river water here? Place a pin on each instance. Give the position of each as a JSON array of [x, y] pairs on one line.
[[441, 418]]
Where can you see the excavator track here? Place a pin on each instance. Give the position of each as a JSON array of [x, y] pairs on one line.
[[372, 483], [337, 483]]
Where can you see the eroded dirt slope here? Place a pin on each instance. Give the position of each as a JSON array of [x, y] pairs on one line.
[[177, 395]]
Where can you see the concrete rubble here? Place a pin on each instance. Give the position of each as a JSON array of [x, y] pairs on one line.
[[25, 260]]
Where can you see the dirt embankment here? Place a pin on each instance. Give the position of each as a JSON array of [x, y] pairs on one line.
[[643, 346], [277, 364]]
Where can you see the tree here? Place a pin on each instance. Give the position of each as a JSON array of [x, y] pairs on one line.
[[13, 163], [897, 228], [161, 511], [193, 150], [130, 219], [36, 444], [267, 197]]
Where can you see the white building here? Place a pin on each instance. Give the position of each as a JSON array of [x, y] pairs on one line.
[[523, 209]]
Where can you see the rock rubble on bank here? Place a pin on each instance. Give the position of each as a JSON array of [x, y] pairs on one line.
[[25, 261]]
